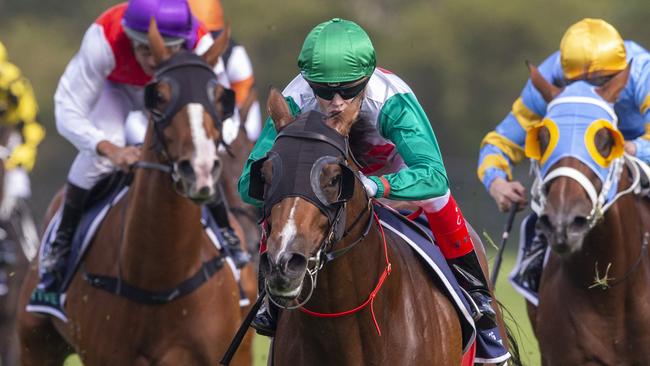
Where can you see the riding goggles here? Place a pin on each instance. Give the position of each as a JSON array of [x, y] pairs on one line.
[[346, 91]]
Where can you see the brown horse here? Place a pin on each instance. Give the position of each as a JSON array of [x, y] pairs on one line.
[[9, 345], [233, 164], [153, 240], [418, 324], [594, 306]]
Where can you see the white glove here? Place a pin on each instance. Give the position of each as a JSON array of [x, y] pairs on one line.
[[369, 185]]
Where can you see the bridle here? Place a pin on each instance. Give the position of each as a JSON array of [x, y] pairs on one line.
[[334, 150], [183, 71], [325, 253]]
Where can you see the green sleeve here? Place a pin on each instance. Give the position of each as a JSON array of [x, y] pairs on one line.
[[403, 121], [262, 146]]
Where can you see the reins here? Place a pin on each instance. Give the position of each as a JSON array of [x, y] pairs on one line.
[[373, 294], [644, 251]]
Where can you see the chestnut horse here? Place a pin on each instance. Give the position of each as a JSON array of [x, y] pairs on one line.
[[153, 240], [418, 324], [594, 295]]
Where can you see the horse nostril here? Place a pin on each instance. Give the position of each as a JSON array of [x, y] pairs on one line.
[[579, 224], [184, 168], [293, 263], [216, 168], [544, 223], [204, 191]]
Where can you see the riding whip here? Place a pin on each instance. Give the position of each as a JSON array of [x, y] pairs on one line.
[[502, 247], [239, 336]]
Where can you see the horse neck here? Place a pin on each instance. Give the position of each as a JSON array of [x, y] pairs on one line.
[[162, 241], [347, 281]]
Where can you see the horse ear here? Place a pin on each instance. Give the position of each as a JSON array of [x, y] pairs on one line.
[[211, 56], [157, 43], [548, 90], [278, 109], [225, 102], [613, 88]]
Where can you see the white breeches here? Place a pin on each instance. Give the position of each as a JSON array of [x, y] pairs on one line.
[[108, 115]]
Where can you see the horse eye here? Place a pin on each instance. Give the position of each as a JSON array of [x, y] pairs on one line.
[[334, 181]]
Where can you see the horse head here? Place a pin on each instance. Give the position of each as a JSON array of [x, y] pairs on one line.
[[576, 150], [308, 183], [187, 107]]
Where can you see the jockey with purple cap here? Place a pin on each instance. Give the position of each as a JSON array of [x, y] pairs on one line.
[[101, 86]]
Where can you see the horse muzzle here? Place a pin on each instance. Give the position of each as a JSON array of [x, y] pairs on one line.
[[564, 233], [199, 184], [285, 274]]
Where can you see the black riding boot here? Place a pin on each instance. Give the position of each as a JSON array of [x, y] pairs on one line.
[[265, 322], [219, 212], [55, 256], [467, 271], [532, 264]]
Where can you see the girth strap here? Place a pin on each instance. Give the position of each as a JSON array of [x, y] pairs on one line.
[[118, 287]]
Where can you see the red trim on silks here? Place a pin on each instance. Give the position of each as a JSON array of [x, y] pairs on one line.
[[468, 357], [373, 294], [449, 229], [384, 70], [386, 185], [415, 214]]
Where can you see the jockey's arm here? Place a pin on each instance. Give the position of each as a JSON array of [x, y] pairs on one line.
[[504, 146], [80, 87], [403, 121], [641, 77], [23, 114], [262, 146]]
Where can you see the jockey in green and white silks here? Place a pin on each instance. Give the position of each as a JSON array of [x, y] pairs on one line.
[[392, 139]]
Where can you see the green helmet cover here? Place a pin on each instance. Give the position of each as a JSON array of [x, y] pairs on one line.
[[337, 51]]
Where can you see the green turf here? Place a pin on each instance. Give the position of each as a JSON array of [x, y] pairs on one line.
[[513, 302]]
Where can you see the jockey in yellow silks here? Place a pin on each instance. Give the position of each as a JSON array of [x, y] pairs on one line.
[[18, 110], [590, 50]]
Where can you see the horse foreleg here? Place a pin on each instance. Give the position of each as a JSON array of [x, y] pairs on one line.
[[40, 342]]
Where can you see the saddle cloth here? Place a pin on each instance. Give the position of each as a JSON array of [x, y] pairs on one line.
[[90, 222], [489, 345]]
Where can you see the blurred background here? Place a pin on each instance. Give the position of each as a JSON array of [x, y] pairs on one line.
[[463, 58]]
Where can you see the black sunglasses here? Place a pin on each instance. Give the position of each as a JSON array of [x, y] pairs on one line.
[[346, 91]]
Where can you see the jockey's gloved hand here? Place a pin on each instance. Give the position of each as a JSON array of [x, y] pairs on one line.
[[506, 194], [369, 185], [121, 157]]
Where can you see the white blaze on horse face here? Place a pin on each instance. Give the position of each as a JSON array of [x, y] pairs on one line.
[[288, 233], [205, 151]]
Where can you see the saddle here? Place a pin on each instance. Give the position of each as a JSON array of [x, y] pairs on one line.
[[418, 236]]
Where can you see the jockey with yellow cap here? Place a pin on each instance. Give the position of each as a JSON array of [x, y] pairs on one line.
[[18, 110], [393, 142], [590, 50], [100, 93]]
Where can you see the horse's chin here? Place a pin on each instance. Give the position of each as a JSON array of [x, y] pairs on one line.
[[285, 296], [566, 249]]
